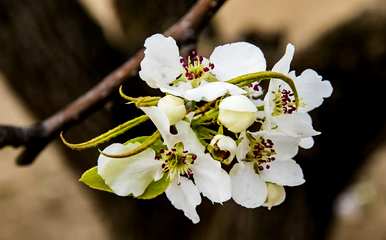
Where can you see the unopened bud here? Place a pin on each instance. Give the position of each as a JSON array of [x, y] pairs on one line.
[[223, 148], [237, 113], [276, 195], [173, 107]]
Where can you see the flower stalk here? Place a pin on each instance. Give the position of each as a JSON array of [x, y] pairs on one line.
[[94, 142], [250, 78]]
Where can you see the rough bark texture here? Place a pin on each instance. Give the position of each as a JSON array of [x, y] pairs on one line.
[[52, 52]]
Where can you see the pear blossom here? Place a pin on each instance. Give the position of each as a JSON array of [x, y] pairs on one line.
[[237, 113], [189, 161], [195, 77], [279, 103], [264, 157], [182, 161]]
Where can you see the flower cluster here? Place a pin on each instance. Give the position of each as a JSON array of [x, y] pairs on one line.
[[223, 111]]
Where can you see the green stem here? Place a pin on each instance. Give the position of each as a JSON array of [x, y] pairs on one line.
[[107, 135], [139, 101], [147, 143], [208, 116], [249, 78]]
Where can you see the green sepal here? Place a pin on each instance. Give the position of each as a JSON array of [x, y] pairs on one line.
[[156, 188], [92, 179], [156, 146], [112, 133]]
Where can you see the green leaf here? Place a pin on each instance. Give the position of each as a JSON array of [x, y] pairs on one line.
[[156, 188], [92, 179]]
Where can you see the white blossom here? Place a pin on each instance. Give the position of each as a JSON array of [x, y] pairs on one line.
[[190, 162], [197, 78], [264, 157]]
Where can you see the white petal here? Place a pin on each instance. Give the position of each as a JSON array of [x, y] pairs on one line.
[[285, 146], [296, 124], [211, 179], [184, 195], [283, 65], [162, 123], [161, 64], [243, 147], [178, 90], [129, 175], [235, 59], [210, 91], [306, 143], [283, 172], [189, 138], [312, 89], [248, 189]]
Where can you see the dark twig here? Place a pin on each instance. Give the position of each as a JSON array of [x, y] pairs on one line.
[[35, 138]]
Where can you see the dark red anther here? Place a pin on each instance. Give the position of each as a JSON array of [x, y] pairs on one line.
[[206, 69], [211, 65], [193, 53]]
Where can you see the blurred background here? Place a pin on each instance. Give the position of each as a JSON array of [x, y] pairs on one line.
[[53, 51]]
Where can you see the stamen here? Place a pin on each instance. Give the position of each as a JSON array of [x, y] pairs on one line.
[[177, 162], [285, 102], [261, 152], [194, 66]]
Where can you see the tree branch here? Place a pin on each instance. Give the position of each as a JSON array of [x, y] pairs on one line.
[[35, 138]]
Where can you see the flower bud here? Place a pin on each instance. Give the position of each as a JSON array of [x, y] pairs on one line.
[[173, 107], [223, 148], [237, 113], [275, 196]]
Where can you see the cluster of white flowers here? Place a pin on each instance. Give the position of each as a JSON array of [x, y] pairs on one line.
[[208, 120]]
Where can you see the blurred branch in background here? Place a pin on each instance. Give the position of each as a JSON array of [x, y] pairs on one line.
[[35, 138]]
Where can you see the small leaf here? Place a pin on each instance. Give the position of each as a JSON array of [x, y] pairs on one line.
[[92, 179], [156, 188]]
